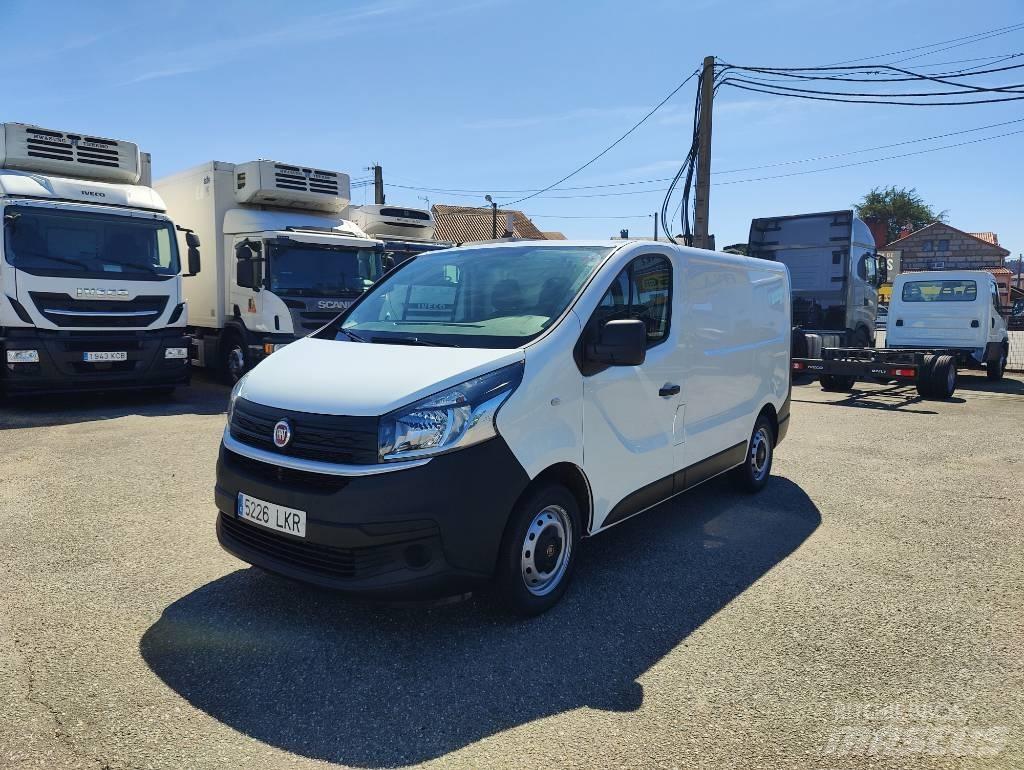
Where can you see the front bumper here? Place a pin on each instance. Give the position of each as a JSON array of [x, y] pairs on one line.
[[61, 368], [425, 531]]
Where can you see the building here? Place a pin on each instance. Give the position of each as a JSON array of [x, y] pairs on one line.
[[940, 246], [462, 224]]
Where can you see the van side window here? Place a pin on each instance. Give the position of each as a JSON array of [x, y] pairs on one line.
[[643, 289]]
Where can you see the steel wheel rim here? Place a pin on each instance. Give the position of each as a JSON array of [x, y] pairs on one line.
[[236, 363], [760, 453], [546, 550]]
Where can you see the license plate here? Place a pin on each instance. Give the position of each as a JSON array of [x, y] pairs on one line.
[[105, 355], [271, 515]]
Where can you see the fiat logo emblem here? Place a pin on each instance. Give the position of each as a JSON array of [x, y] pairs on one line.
[[282, 434]]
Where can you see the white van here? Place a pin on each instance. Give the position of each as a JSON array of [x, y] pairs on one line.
[[481, 409], [953, 310]]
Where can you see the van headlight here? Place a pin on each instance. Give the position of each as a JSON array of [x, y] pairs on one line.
[[234, 396], [452, 419]]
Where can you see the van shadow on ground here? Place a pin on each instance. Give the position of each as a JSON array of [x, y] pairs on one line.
[[331, 678], [204, 396]]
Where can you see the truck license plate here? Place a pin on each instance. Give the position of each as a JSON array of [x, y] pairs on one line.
[[271, 515], [105, 355]]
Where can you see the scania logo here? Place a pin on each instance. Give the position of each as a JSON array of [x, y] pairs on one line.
[[102, 293], [333, 304], [282, 434]]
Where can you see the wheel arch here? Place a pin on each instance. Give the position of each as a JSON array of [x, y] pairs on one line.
[[573, 478], [773, 416]]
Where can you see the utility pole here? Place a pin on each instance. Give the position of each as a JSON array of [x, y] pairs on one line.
[[494, 217], [378, 184], [702, 203], [655, 225]]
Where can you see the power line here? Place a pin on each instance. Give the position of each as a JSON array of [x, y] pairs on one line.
[[969, 38], [858, 100], [613, 144]]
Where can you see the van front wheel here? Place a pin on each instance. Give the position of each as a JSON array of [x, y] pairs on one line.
[[538, 551], [994, 369], [757, 466]]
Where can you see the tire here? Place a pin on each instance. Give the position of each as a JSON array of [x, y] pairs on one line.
[[837, 383], [924, 377], [862, 338], [994, 369], [757, 466], [944, 377], [234, 358], [531, 581]]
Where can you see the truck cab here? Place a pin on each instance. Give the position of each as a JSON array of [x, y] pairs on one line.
[[834, 269], [287, 262], [954, 310], [90, 268]]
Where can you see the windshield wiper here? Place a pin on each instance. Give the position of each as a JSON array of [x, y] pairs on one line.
[[411, 341], [353, 336]]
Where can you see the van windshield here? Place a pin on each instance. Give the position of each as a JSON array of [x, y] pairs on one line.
[[940, 291], [474, 297]]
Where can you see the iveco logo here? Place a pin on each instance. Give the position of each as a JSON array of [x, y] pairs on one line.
[[93, 193], [333, 304], [282, 434], [102, 293]]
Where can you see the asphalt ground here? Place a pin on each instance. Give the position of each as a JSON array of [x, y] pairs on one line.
[[864, 610]]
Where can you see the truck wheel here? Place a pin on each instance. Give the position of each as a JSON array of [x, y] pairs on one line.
[[754, 473], [994, 369], [837, 383], [234, 358], [924, 376], [862, 339], [944, 377], [538, 551]]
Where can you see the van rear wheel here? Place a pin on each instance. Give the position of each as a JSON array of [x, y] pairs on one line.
[[837, 383], [538, 551], [757, 466], [944, 377]]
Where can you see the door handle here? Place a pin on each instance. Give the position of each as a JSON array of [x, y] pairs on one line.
[[668, 390]]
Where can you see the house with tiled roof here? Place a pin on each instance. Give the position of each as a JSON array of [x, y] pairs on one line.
[[462, 224], [940, 246]]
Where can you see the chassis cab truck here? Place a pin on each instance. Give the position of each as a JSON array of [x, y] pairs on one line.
[[283, 261], [90, 277], [480, 411], [834, 269]]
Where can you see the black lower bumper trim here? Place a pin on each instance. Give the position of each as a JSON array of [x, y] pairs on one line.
[[423, 531]]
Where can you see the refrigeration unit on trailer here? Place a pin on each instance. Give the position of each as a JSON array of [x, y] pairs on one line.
[[90, 275], [282, 260], [480, 410], [834, 269], [405, 231]]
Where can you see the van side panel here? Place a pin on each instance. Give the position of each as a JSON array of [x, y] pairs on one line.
[[542, 422], [737, 336]]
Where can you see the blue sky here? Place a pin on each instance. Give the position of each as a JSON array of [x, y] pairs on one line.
[[492, 95]]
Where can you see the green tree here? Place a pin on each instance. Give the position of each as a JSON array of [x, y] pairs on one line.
[[898, 207]]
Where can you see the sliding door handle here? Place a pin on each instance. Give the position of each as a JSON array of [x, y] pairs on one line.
[[668, 390]]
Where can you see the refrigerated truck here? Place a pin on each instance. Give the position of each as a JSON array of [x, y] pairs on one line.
[[281, 258], [834, 269], [90, 271]]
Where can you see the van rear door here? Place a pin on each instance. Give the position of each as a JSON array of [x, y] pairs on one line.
[[939, 312]]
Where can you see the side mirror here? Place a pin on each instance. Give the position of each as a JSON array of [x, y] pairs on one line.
[[193, 261], [245, 274], [883, 270], [191, 240], [243, 251], [620, 343]]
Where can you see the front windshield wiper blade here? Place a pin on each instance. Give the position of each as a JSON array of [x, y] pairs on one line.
[[411, 341], [353, 336]]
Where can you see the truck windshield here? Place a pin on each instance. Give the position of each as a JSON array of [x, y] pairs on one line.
[[59, 242], [307, 269], [940, 291], [474, 297]]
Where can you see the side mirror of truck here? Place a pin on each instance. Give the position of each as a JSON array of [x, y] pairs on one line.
[[193, 260], [883, 270], [243, 251], [245, 274], [191, 240], [620, 343]]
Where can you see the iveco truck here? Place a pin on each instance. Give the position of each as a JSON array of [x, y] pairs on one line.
[[90, 272], [834, 269], [282, 260]]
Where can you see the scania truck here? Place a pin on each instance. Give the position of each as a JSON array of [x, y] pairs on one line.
[[90, 274], [282, 259]]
